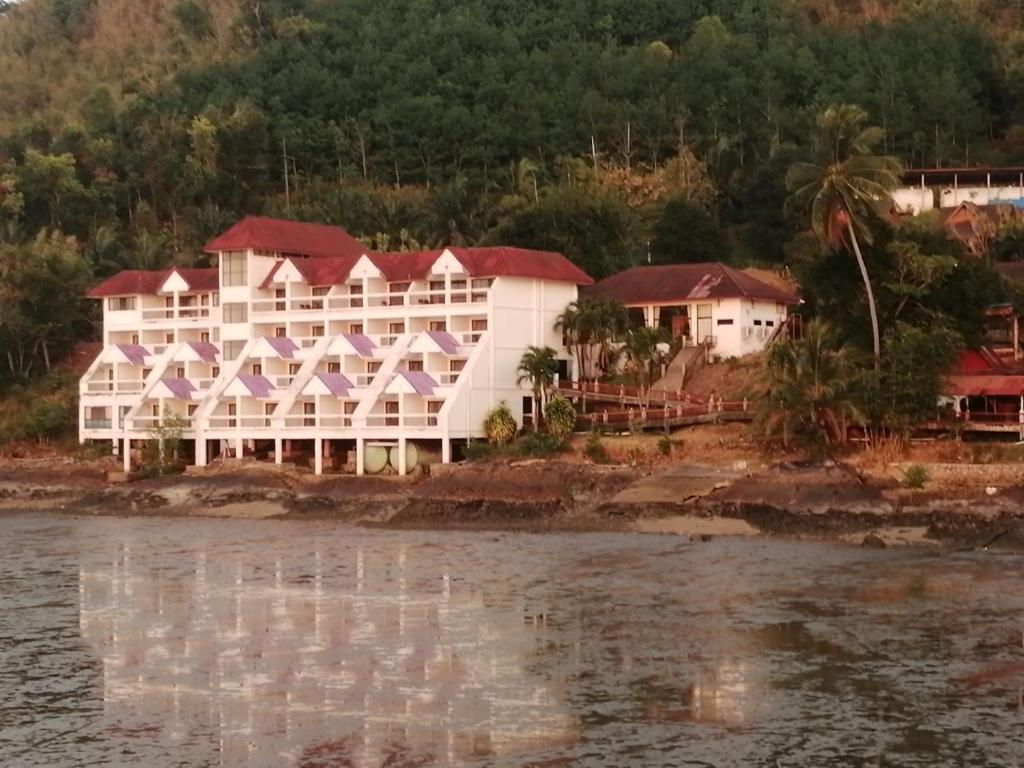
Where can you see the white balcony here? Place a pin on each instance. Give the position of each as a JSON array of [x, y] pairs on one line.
[[344, 303], [112, 387], [187, 314]]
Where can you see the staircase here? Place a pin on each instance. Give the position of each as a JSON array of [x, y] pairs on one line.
[[683, 368]]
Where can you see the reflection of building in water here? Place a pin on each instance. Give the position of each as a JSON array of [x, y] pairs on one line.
[[723, 695], [368, 662]]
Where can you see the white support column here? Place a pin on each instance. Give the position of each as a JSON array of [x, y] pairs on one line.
[[402, 468], [201, 450], [360, 456], [239, 447], [318, 456], [278, 450], [127, 455], [446, 451]]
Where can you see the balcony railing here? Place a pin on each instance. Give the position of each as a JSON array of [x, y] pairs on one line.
[[314, 421], [361, 301], [239, 422], [107, 387], [152, 422], [99, 424], [180, 313], [404, 420]]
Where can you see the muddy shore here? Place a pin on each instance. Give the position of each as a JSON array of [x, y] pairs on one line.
[[801, 501]]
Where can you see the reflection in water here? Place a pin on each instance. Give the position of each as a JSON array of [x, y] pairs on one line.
[[206, 643], [365, 661]]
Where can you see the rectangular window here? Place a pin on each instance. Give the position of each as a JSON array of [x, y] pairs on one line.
[[279, 305], [232, 410], [458, 291], [280, 332], [216, 299], [770, 323], [397, 288], [135, 338], [169, 338], [204, 337], [257, 369], [180, 373], [293, 368], [233, 269], [456, 365], [317, 331], [355, 293], [214, 372], [436, 291], [321, 290], [757, 322], [725, 321], [232, 349], [479, 325], [350, 407], [155, 410], [309, 410], [415, 365], [334, 367], [391, 408], [355, 328], [396, 328], [438, 325], [268, 409], [373, 366], [236, 312], [192, 409], [121, 303]]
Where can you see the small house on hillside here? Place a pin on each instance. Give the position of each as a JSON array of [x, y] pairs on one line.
[[976, 225], [729, 310]]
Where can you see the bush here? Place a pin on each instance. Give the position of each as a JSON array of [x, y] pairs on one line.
[[534, 444], [559, 418], [500, 425], [594, 449], [915, 477], [665, 445]]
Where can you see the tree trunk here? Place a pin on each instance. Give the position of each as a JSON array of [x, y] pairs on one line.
[[871, 296]]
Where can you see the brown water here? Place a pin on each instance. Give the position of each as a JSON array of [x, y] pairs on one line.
[[204, 642]]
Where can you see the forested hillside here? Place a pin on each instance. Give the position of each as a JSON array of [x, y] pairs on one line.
[[133, 130]]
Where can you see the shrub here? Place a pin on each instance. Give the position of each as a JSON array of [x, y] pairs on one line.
[[500, 425], [43, 422], [915, 477], [478, 451], [559, 418], [594, 449], [665, 445], [636, 454], [536, 444]]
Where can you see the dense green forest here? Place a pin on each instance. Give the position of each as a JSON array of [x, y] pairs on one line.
[[612, 130]]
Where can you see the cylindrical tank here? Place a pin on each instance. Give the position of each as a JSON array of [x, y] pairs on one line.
[[375, 458], [412, 456]]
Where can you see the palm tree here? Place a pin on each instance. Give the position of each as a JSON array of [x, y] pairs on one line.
[[644, 355], [842, 186], [810, 388], [590, 325], [538, 366]]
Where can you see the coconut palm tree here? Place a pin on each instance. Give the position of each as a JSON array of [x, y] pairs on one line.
[[841, 187], [809, 389], [644, 356], [592, 326], [538, 366]]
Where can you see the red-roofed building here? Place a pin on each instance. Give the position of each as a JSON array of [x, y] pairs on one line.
[[730, 311]]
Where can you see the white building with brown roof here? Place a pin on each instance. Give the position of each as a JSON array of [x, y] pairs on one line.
[[731, 312], [302, 341]]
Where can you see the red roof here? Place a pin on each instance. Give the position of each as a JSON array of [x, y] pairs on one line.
[[687, 282], [520, 262], [135, 282], [288, 237], [990, 386], [405, 266]]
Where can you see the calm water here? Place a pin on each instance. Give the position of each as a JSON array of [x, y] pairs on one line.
[[192, 643]]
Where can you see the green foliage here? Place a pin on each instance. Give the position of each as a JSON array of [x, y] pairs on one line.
[[538, 368], [162, 452], [686, 233], [530, 445], [559, 418], [665, 445], [41, 413], [594, 449], [916, 477], [500, 425], [591, 326]]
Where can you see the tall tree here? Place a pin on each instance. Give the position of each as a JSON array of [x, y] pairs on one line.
[[538, 367], [843, 186]]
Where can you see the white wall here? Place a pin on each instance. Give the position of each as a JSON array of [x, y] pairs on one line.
[[915, 200]]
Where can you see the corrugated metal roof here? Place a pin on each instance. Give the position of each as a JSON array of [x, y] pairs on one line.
[[984, 386], [686, 282]]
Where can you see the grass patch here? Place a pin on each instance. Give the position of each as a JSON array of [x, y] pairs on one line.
[[530, 445]]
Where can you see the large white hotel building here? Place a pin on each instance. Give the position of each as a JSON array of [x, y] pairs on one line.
[[303, 343]]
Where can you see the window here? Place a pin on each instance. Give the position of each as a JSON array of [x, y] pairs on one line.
[[415, 365], [479, 325], [356, 294], [391, 408], [293, 368], [396, 328], [214, 372], [433, 408], [279, 294], [309, 410], [350, 407], [232, 411], [317, 330], [437, 291], [232, 349], [257, 369], [725, 321], [757, 322], [399, 288], [355, 328], [456, 365], [268, 409], [146, 372], [233, 269], [135, 338], [280, 332], [334, 367], [204, 337], [769, 323], [180, 373], [237, 312], [169, 338], [438, 325], [322, 290], [155, 410], [121, 303], [192, 409], [373, 366], [460, 287]]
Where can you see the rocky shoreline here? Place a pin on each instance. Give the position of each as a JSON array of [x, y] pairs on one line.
[[812, 502]]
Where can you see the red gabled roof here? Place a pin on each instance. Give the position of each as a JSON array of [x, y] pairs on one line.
[[502, 261], [406, 265], [327, 270], [135, 282], [281, 236], [687, 282]]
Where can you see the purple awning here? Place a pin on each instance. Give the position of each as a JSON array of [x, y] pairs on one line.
[[135, 353], [337, 383], [207, 352], [421, 381], [260, 386], [445, 341], [361, 343], [182, 389], [284, 346]]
